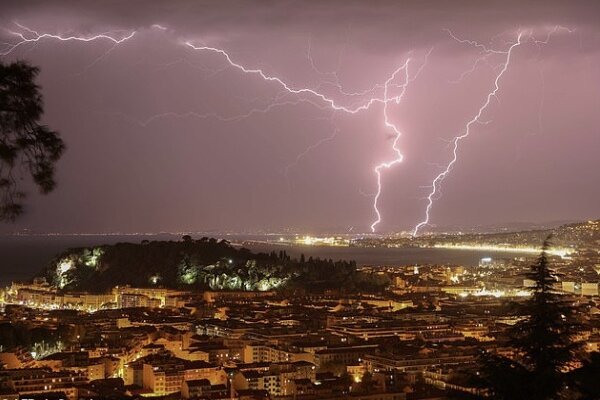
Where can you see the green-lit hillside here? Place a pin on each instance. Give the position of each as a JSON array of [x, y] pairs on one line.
[[199, 264]]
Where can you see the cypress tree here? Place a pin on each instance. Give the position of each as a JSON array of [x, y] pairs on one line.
[[543, 343]]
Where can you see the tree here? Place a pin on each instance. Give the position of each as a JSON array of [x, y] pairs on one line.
[[25, 145], [543, 342], [585, 378]]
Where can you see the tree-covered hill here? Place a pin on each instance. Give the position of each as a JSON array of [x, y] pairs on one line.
[[200, 264]]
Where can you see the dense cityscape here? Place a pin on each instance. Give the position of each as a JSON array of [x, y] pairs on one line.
[[415, 335]]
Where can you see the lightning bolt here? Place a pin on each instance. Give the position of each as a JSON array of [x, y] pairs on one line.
[[467, 131], [397, 133], [276, 103], [27, 35], [271, 78], [377, 94], [334, 79], [468, 72], [310, 148], [437, 181], [385, 100]]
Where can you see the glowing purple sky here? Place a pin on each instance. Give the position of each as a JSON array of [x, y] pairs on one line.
[[133, 165]]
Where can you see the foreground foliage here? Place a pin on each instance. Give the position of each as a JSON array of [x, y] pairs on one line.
[[26, 146], [546, 348]]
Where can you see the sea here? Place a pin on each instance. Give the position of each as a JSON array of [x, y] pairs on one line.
[[23, 256]]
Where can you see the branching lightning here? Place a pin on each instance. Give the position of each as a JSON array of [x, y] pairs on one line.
[[270, 78], [397, 133], [467, 131], [477, 118], [213, 115], [27, 35], [334, 80], [306, 151], [386, 100], [358, 101]]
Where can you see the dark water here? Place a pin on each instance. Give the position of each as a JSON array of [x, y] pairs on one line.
[[21, 257]]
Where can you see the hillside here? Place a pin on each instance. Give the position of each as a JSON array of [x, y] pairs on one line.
[[199, 264]]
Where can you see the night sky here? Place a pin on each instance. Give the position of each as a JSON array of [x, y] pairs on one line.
[[162, 137]]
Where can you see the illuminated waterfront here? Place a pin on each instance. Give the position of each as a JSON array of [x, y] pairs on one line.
[[187, 310], [562, 252], [31, 253]]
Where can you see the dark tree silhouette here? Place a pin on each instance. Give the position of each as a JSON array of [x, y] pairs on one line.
[[203, 264], [26, 146], [543, 342], [584, 380]]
